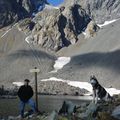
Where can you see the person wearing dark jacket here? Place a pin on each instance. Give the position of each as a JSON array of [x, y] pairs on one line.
[[25, 94]]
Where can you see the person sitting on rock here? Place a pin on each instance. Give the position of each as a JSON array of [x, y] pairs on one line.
[[25, 94]]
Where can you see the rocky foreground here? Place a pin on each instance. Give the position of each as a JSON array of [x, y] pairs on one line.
[[101, 111]]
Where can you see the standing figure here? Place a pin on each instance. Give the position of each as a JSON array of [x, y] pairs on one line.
[[25, 94]]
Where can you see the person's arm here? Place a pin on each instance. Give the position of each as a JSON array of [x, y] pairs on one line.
[[31, 91], [19, 92]]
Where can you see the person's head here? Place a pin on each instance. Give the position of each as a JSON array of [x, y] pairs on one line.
[[26, 82]]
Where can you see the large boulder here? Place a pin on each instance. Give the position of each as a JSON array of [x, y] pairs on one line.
[[116, 112], [90, 112], [68, 108]]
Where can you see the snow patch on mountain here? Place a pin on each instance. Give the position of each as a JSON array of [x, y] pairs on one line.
[[107, 23], [18, 83], [26, 39], [83, 85], [60, 63], [50, 7], [84, 33]]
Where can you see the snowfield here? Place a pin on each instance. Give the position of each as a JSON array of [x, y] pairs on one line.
[[50, 7], [18, 83], [60, 63], [83, 85], [27, 39], [107, 23]]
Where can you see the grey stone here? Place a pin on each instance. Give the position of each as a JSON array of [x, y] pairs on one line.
[[68, 108], [90, 112], [116, 112], [53, 116]]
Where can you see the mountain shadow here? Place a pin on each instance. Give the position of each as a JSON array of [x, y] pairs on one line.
[[109, 60]]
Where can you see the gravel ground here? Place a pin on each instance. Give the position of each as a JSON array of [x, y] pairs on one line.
[[17, 58]]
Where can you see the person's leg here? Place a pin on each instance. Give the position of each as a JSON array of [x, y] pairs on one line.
[[22, 107], [32, 105]]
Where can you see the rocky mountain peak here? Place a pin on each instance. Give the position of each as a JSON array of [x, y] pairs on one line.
[[99, 10], [13, 10], [54, 28], [58, 27]]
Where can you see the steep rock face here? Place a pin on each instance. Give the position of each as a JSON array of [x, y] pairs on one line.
[[91, 29], [57, 28], [102, 10], [26, 25], [27, 5], [13, 10], [99, 10], [6, 12]]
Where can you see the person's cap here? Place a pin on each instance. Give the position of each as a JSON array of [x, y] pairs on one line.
[[26, 80]]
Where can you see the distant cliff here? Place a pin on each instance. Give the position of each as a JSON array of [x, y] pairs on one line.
[[56, 28], [13, 10], [99, 10]]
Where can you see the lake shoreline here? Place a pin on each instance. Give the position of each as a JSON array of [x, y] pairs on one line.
[[47, 103]]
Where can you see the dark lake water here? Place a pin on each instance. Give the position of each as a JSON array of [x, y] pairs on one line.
[[50, 103], [46, 103]]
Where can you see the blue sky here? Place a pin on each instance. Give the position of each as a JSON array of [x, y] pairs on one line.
[[55, 2]]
